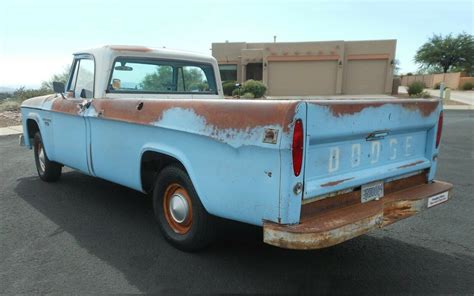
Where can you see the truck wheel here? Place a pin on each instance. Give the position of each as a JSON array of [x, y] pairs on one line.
[[182, 218], [48, 171]]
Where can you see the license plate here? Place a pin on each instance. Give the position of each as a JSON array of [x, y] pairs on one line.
[[437, 199], [371, 191]]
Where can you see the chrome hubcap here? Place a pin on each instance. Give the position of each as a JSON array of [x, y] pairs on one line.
[[41, 157], [179, 208]]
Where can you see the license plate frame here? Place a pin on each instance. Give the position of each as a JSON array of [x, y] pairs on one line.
[[437, 199], [371, 191]]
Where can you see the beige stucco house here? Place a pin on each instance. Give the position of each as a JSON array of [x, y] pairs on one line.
[[311, 68]]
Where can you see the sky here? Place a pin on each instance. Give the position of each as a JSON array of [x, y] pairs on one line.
[[37, 38]]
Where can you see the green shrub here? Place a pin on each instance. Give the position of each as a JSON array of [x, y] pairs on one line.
[[425, 95], [10, 105], [228, 87], [248, 95], [437, 85], [467, 86], [257, 88], [236, 92], [415, 88]]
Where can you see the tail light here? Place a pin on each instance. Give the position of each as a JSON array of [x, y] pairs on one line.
[[297, 147], [440, 129]]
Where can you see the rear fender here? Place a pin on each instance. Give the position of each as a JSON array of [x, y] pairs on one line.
[[179, 155]]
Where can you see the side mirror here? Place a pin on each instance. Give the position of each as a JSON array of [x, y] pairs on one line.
[[58, 87]]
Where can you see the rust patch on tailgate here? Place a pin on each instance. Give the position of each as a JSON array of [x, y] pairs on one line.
[[410, 164], [350, 198], [425, 108], [334, 183], [222, 114], [351, 107]]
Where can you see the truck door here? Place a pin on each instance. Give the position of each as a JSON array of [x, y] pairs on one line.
[[69, 125]]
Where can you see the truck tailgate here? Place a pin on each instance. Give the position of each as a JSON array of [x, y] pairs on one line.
[[354, 142]]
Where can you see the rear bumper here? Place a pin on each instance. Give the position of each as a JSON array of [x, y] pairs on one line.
[[339, 225]]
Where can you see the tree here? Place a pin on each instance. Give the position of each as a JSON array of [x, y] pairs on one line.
[[447, 53], [59, 77], [160, 80], [396, 67]]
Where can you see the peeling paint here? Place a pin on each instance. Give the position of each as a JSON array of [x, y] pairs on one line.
[[188, 121]]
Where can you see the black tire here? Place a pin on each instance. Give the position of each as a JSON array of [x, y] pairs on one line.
[[48, 171], [196, 231]]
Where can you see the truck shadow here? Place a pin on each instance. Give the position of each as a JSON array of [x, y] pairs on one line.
[[116, 224]]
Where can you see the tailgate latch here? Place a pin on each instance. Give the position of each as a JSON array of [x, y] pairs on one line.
[[377, 135]]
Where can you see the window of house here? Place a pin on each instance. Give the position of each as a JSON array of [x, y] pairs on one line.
[[228, 72]]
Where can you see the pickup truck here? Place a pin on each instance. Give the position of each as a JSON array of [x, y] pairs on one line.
[[313, 172]]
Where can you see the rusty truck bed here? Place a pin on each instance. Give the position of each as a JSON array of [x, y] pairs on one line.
[[320, 229]]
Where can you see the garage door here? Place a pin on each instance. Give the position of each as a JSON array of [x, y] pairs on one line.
[[304, 78], [365, 77]]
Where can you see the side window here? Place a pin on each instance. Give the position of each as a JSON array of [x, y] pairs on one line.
[[82, 80], [194, 79], [157, 76]]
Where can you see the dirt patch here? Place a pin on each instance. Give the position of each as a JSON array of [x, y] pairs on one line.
[[9, 118]]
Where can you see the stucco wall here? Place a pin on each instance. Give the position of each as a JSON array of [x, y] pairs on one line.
[[451, 80], [361, 66], [463, 80]]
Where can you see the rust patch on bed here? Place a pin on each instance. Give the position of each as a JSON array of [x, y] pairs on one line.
[[351, 107], [334, 183], [222, 114]]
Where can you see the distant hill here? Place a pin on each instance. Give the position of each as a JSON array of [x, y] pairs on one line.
[[6, 89]]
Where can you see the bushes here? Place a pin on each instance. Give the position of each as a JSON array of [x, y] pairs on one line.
[[425, 95], [13, 103], [248, 95], [437, 85], [228, 87], [236, 92], [467, 86], [10, 105], [416, 88], [250, 89], [257, 88]]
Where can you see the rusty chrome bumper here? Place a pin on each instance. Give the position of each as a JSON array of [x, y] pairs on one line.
[[336, 226]]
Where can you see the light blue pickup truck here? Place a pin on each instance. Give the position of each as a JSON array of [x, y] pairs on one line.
[[312, 172]]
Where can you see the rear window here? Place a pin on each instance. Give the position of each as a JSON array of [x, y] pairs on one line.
[[161, 76]]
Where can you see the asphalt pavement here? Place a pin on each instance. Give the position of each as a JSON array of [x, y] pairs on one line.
[[89, 236]]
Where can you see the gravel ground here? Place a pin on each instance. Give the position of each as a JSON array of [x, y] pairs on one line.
[[9, 118]]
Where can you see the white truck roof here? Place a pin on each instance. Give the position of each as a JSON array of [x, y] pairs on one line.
[[104, 57], [108, 51]]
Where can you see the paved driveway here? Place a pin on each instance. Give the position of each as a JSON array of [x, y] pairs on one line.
[[89, 236], [466, 97]]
